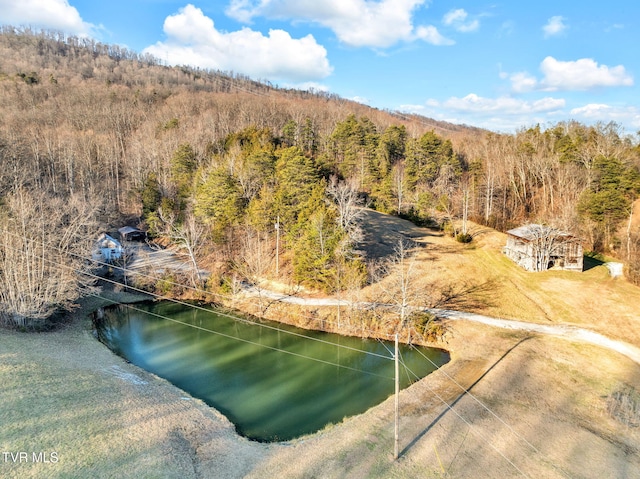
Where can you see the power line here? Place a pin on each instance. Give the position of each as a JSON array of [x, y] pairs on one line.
[[470, 394], [228, 336], [190, 305], [485, 407], [164, 317], [410, 373], [237, 318], [471, 427], [372, 334], [407, 369], [214, 294]]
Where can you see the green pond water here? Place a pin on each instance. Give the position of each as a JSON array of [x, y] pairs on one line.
[[274, 382]]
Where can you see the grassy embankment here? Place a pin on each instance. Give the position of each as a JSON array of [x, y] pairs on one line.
[[493, 285], [63, 392], [591, 299]]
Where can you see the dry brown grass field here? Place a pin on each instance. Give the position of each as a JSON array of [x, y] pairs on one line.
[[508, 404]]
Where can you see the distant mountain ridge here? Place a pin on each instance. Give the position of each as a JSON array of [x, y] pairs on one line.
[[50, 56]]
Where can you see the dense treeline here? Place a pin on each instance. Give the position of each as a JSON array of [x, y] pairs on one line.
[[217, 161]]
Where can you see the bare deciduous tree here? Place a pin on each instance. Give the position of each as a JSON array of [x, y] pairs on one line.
[[397, 284], [348, 203], [254, 262], [190, 236], [43, 243], [546, 242]]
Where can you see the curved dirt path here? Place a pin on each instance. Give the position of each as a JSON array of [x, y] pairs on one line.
[[560, 330]]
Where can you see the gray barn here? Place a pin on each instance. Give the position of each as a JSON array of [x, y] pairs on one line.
[[539, 248]]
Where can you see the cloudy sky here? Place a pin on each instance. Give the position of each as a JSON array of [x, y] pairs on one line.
[[501, 65]]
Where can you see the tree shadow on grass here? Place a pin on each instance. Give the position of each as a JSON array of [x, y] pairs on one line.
[[382, 232], [465, 295], [462, 395]]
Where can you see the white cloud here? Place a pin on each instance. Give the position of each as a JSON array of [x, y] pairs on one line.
[[510, 114], [46, 14], [523, 82], [605, 113], [192, 39], [498, 114], [506, 29], [241, 10], [431, 35], [504, 105], [454, 16], [591, 110], [554, 26], [357, 23], [410, 108], [360, 99], [458, 20], [583, 74], [307, 86]]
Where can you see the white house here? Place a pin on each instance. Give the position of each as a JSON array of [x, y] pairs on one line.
[[107, 249]]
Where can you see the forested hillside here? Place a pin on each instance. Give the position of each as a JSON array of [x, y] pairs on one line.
[[93, 135]]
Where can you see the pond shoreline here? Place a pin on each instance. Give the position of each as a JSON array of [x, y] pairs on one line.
[[311, 317], [64, 391], [270, 379]]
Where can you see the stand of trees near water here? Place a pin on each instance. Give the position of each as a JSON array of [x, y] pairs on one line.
[[92, 135]]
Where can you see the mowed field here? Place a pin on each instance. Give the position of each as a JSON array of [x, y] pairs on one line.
[[509, 404]]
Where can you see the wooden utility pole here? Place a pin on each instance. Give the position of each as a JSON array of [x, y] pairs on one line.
[[339, 286], [397, 403], [278, 246]]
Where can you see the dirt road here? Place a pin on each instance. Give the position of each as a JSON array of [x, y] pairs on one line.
[[509, 404], [562, 331], [517, 398]]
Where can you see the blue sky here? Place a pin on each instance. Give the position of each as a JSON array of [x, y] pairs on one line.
[[501, 65]]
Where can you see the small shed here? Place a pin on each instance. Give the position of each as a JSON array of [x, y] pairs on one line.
[[129, 233], [616, 270], [107, 249], [539, 248]]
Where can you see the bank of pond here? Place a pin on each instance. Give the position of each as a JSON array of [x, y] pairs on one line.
[[273, 381]]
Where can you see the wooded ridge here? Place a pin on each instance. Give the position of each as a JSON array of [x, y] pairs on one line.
[[93, 136]]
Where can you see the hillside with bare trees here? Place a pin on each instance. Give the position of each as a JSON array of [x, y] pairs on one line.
[[93, 136]]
